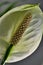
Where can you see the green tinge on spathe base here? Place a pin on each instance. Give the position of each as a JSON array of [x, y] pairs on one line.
[[9, 25], [3, 46]]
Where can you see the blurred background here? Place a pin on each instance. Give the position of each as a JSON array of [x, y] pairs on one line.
[[37, 57]]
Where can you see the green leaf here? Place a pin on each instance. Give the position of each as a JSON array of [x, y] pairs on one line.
[[1, 4], [11, 5]]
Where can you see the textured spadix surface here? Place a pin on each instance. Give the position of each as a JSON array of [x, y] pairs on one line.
[[9, 23]]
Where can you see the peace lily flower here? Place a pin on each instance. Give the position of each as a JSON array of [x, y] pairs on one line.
[[10, 24]]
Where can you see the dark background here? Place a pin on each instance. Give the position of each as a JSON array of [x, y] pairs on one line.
[[37, 57]]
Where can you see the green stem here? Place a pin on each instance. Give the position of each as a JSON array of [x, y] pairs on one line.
[[6, 54]]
